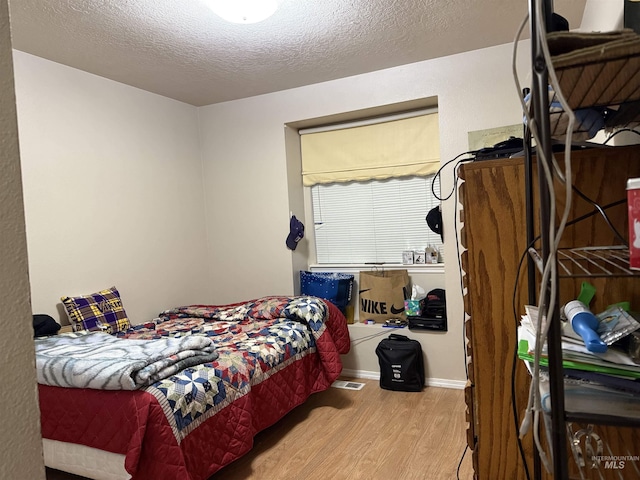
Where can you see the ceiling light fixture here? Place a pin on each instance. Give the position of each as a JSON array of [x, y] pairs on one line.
[[243, 11]]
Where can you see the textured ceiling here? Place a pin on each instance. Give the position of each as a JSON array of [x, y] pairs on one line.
[[180, 49]]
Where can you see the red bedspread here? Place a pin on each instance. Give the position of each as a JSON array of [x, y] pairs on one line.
[[135, 423]]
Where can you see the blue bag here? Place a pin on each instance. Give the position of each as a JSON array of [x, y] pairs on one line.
[[335, 287]]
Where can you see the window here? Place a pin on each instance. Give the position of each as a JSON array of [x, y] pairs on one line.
[[373, 221], [371, 187]]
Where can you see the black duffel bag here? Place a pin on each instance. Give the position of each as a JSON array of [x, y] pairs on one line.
[[401, 364]]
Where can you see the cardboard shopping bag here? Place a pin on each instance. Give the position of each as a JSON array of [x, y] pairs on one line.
[[382, 294]]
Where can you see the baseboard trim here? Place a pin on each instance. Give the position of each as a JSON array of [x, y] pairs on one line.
[[361, 374], [446, 383], [430, 382]]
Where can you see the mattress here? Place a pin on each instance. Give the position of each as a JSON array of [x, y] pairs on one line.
[[85, 461]]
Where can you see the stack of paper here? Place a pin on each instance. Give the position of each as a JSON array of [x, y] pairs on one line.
[[604, 383]]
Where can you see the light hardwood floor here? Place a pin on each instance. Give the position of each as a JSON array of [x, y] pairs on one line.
[[367, 434]]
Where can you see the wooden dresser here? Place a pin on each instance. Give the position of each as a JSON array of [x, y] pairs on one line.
[[494, 236]]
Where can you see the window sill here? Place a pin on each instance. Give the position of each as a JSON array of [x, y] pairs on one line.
[[355, 268]]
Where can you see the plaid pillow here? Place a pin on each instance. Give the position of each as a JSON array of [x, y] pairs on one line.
[[102, 311]]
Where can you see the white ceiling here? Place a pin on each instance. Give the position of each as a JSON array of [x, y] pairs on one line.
[[180, 49]]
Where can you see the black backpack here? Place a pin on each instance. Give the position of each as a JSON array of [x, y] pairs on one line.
[[401, 364]]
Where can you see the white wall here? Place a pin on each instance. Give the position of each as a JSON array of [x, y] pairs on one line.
[[245, 168], [21, 452], [602, 16], [114, 194], [113, 191]]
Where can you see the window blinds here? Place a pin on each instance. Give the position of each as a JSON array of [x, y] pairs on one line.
[[373, 221], [398, 148]]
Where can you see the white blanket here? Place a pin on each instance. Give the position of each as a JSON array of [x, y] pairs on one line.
[[100, 361]]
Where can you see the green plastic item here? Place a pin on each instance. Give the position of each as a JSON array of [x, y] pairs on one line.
[[587, 291], [626, 306], [523, 354]]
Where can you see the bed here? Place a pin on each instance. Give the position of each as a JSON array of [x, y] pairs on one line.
[[272, 354]]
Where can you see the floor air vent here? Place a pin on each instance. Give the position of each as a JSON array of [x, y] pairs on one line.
[[347, 385]]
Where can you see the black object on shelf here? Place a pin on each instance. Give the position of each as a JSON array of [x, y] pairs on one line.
[[501, 150], [427, 323], [632, 15]]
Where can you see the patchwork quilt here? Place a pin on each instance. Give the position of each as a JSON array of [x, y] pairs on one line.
[[272, 353]]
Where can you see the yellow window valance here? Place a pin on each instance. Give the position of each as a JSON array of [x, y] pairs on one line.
[[397, 148]]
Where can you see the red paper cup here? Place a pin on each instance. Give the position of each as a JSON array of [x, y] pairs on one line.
[[633, 202]]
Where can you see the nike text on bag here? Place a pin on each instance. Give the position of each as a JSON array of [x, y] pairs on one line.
[[382, 294], [401, 364]]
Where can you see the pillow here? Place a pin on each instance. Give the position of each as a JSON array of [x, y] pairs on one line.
[[101, 311]]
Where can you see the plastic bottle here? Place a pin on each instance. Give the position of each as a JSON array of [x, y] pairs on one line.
[[585, 324]]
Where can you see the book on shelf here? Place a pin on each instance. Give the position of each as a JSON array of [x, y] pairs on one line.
[[611, 382], [578, 361]]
